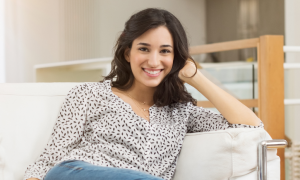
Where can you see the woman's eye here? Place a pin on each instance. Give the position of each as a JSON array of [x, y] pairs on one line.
[[164, 51], [143, 49]]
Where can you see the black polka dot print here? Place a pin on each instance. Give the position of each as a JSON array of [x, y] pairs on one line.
[[96, 126]]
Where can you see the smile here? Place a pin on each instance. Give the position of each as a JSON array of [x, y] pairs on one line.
[[152, 73]]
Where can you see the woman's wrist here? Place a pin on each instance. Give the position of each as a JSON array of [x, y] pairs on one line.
[[196, 80]]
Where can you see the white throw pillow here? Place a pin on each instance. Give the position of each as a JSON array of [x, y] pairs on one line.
[[222, 154]]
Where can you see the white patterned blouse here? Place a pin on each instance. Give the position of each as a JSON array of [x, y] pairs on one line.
[[96, 126]]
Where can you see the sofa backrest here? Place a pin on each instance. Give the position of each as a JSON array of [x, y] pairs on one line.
[[28, 112]]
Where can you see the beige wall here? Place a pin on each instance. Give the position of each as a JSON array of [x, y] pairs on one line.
[[48, 31], [191, 13], [222, 24]]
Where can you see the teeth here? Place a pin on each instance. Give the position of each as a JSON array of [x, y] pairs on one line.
[[152, 72]]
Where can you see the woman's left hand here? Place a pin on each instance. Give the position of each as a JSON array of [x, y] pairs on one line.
[[187, 71]]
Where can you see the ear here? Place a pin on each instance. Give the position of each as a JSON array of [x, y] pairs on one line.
[[126, 54]]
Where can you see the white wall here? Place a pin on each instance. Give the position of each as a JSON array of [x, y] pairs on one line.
[[292, 81], [48, 31]]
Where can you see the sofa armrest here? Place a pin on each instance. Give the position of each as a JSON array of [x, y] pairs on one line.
[[262, 155]]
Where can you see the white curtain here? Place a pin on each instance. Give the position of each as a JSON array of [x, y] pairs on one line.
[[2, 41]]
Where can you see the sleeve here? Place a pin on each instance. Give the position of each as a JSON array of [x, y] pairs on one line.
[[66, 135], [203, 120]]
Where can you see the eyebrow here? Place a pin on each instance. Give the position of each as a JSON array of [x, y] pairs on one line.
[[146, 44]]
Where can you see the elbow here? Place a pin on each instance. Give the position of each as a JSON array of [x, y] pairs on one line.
[[255, 122]]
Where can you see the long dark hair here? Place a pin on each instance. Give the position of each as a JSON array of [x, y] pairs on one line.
[[171, 89]]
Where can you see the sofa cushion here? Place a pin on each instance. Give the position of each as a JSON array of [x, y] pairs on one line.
[[222, 154]]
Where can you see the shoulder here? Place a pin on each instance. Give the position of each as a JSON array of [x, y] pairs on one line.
[[181, 107], [190, 109], [90, 88]]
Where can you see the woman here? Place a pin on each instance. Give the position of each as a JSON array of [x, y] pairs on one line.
[[132, 125]]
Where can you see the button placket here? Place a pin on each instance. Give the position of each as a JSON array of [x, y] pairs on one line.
[[148, 144]]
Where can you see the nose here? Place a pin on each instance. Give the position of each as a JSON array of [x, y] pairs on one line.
[[153, 60]]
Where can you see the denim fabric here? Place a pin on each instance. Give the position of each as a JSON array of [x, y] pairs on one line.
[[79, 170]]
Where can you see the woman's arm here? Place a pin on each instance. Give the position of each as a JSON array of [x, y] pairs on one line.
[[232, 109]]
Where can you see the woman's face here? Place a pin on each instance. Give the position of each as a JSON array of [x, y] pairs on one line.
[[151, 56]]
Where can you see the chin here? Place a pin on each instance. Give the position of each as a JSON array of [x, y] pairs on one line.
[[151, 83]]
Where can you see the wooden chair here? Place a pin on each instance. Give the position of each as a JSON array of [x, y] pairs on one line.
[[270, 102]]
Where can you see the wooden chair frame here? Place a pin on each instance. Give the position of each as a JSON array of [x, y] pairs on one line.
[[270, 102]]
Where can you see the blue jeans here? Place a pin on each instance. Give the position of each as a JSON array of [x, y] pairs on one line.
[[79, 170]]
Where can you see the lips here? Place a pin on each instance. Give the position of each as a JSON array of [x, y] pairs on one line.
[[152, 72]]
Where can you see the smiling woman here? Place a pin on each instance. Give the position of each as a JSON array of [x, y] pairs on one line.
[[135, 120]]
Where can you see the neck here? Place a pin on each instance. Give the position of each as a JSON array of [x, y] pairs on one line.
[[142, 93]]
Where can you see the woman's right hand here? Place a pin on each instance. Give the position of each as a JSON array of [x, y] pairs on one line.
[[33, 179]]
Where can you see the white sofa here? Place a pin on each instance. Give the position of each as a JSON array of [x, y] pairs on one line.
[[28, 112]]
